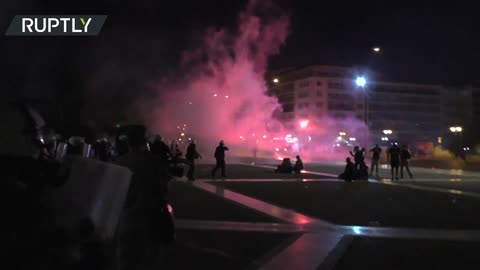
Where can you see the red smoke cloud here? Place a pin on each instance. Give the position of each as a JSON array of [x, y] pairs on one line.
[[222, 95]]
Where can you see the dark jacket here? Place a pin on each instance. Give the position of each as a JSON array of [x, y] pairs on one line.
[[394, 154], [150, 178], [192, 152], [220, 152], [405, 154], [349, 173], [160, 148]]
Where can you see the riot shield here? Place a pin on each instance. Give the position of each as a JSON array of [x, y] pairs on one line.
[[95, 191]]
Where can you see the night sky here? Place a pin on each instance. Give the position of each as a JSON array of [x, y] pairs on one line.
[[142, 41]]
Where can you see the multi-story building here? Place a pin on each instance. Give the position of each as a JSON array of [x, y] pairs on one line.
[[413, 112], [317, 92]]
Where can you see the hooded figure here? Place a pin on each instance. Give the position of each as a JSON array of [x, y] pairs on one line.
[[191, 155], [220, 158]]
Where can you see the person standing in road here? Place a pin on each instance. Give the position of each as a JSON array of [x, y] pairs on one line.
[[358, 156], [404, 160], [376, 151], [220, 158], [393, 156], [191, 155]]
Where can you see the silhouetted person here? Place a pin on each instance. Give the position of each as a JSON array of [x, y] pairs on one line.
[[159, 147], [376, 151], [362, 173], [122, 146], [191, 155], [285, 167], [298, 167], [220, 158], [393, 156], [404, 160], [358, 156], [143, 227], [349, 172], [101, 149], [175, 151], [75, 146]]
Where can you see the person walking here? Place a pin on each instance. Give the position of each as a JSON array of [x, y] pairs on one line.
[[191, 155], [220, 159], [405, 156], [376, 151], [393, 156]]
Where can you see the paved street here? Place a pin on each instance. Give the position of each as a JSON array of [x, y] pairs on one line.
[[271, 221]]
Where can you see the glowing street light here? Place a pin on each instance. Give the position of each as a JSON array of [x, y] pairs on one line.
[[376, 49], [214, 95], [387, 131], [342, 133], [456, 129], [275, 80], [304, 123], [361, 81]]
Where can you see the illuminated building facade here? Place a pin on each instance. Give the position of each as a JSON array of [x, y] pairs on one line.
[[414, 112]]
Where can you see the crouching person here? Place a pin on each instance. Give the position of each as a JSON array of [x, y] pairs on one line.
[[285, 167], [298, 165], [349, 173]]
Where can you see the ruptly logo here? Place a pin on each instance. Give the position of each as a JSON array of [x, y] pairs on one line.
[[58, 25]]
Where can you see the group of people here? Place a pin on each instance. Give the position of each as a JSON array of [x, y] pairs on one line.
[[192, 154], [397, 157], [110, 149], [356, 170], [287, 167], [36, 164]]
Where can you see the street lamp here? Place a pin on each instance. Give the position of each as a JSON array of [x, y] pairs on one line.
[[387, 131], [457, 130], [275, 80], [361, 81], [304, 123], [376, 49]]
